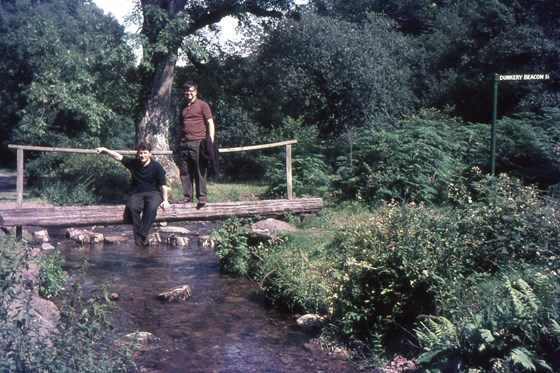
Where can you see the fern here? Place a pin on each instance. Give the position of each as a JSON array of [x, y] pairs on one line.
[[526, 359], [438, 336], [555, 328], [524, 301]]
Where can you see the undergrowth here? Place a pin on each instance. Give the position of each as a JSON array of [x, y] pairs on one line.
[[80, 341], [472, 284]]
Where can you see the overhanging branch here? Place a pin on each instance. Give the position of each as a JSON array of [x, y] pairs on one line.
[[212, 17]]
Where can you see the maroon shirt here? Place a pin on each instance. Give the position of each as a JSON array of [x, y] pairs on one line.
[[193, 118]]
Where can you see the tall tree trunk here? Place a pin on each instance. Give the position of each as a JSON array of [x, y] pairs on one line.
[[155, 121], [155, 118]]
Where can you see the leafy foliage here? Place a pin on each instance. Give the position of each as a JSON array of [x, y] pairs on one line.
[[475, 280], [233, 248], [336, 75], [80, 341], [414, 163], [52, 276], [65, 74], [67, 179], [500, 339]]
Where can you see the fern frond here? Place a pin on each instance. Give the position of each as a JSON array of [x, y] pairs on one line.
[[435, 332], [520, 356], [523, 357], [525, 303], [555, 328]]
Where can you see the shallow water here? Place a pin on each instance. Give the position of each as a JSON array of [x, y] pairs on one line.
[[224, 327]]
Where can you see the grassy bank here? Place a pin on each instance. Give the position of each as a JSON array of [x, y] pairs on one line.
[[470, 285]]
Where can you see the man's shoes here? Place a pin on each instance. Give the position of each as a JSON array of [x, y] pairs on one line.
[[185, 200], [200, 205], [140, 241]]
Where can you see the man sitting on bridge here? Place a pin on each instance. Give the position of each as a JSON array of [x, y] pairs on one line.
[[149, 189]]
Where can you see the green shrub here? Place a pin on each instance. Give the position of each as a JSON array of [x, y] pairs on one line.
[[292, 273], [411, 164], [85, 341], [418, 161], [13, 260], [83, 179], [232, 244], [82, 340], [378, 274], [52, 276], [66, 194], [312, 176], [290, 269], [526, 146], [411, 259], [508, 222]]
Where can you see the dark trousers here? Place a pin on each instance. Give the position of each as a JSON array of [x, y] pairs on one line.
[[193, 170], [143, 208]]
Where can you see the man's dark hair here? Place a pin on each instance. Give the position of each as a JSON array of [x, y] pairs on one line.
[[189, 84], [144, 146]]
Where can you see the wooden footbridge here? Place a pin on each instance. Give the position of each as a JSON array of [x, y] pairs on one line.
[[116, 214], [69, 216]]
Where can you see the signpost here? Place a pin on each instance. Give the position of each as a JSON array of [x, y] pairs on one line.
[[499, 78]]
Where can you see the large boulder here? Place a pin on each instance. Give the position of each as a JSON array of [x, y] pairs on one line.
[[270, 228], [25, 304]]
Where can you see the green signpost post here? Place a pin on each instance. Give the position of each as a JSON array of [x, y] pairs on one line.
[[499, 78]]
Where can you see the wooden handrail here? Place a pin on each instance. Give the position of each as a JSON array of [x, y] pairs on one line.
[[156, 152], [21, 148]]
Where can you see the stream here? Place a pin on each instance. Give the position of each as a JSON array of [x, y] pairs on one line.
[[224, 327]]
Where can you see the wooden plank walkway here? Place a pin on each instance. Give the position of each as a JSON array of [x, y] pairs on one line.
[[70, 216]]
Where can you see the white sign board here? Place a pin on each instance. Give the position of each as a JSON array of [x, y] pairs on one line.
[[525, 77]]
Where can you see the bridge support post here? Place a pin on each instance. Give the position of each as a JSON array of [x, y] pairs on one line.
[[19, 189], [289, 171]]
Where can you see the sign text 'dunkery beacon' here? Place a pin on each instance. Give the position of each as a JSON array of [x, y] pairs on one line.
[[525, 77]]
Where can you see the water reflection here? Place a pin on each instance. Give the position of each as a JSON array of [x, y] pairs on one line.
[[223, 327]]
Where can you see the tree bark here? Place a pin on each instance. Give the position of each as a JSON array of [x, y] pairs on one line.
[[155, 118], [155, 122]]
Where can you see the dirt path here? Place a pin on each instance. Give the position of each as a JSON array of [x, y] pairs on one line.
[[7, 183], [8, 198]]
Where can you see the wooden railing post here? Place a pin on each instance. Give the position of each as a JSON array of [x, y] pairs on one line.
[[289, 170], [19, 188]]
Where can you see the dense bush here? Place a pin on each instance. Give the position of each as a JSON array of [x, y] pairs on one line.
[[517, 331], [527, 147], [414, 163], [312, 175], [421, 160], [69, 179], [465, 265]]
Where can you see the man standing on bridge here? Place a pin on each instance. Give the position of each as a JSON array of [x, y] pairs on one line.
[[197, 125], [149, 190]]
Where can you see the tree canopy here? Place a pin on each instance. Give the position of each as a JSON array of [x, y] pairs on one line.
[[65, 74], [332, 68]]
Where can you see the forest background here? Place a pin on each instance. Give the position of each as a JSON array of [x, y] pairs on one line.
[[390, 102]]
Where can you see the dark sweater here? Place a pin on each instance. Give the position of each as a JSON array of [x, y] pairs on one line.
[[145, 179]]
